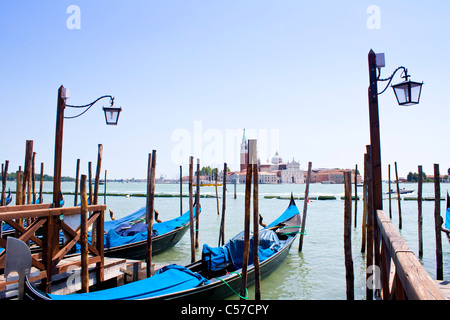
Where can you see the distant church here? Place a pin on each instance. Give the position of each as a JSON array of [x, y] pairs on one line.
[[276, 171]]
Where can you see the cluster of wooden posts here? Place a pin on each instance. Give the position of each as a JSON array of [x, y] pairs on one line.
[[26, 217], [393, 271]]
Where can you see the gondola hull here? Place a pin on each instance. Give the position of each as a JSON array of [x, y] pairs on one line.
[[218, 290], [137, 250]]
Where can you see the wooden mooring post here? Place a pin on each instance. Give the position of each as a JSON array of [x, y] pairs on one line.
[[104, 190], [224, 200], [191, 207], [364, 219], [248, 186], [97, 173], [235, 182], [438, 223], [77, 176], [197, 204], [90, 182], [150, 207], [41, 183], [4, 176], [83, 236], [305, 207], [19, 187], [389, 190], [369, 224], [26, 186], [181, 191], [356, 193], [33, 176], [398, 198], [349, 276], [419, 211], [254, 164], [217, 192]]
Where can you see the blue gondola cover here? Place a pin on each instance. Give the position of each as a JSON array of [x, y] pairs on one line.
[[172, 278]]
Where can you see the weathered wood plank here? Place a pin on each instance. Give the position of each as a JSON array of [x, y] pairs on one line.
[[415, 280]]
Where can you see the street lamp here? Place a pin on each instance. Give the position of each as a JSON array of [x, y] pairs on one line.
[[111, 117], [407, 93], [111, 113]]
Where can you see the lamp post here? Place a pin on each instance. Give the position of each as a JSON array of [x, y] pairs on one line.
[[407, 93], [111, 116]]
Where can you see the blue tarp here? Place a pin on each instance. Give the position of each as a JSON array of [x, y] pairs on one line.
[[232, 252], [447, 219], [172, 278], [117, 237], [215, 258], [269, 244]]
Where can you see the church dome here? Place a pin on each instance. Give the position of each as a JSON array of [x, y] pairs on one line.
[[276, 159]]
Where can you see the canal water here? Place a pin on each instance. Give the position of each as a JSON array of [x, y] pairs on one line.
[[318, 272]]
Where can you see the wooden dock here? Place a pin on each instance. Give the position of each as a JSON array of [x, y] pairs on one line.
[[116, 272], [402, 275], [69, 281]]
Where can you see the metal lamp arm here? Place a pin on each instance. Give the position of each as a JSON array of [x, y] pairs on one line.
[[88, 106], [405, 76]]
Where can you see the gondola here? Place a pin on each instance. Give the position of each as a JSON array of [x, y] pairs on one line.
[[216, 276], [127, 237]]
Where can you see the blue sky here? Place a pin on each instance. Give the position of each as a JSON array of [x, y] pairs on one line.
[[297, 68]]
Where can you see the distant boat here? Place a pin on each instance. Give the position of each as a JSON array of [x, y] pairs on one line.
[[402, 191], [207, 184]]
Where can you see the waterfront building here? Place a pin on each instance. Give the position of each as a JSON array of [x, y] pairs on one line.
[[293, 173], [332, 176], [275, 171]]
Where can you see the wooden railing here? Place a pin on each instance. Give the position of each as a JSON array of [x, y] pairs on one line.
[[48, 248], [401, 273]]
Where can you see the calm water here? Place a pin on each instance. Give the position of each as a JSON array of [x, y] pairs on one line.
[[319, 271]]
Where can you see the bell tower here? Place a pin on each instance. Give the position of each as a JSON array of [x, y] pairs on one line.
[[244, 153]]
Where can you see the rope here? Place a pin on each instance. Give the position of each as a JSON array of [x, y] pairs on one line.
[[293, 232], [246, 291]]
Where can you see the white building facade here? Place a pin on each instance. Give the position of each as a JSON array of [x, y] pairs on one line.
[[292, 173]]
